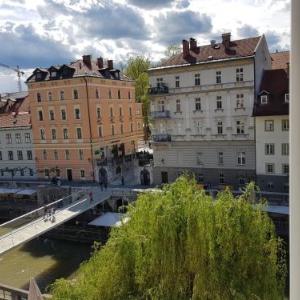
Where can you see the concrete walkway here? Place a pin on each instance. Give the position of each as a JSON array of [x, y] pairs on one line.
[[40, 226]]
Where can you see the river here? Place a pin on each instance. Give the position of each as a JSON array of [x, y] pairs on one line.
[[44, 259]]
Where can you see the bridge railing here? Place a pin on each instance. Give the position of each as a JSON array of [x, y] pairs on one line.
[[41, 212]]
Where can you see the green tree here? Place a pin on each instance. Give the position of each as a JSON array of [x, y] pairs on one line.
[[180, 244], [137, 69]]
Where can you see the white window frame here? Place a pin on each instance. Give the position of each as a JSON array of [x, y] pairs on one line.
[[267, 168], [269, 149], [241, 158], [264, 99], [287, 98]]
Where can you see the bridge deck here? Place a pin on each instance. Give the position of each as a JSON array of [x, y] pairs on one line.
[[40, 225]]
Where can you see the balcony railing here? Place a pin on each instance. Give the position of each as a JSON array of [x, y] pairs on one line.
[[160, 114], [162, 137], [162, 89]]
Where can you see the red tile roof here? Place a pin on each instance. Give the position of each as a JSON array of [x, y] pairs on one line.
[[15, 120], [280, 59], [238, 49]]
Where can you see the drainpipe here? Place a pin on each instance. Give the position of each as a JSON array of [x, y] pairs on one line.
[[90, 128]]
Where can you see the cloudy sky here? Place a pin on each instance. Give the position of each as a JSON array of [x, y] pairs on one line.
[[44, 32]]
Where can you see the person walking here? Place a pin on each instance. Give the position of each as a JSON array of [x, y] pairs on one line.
[[91, 197]]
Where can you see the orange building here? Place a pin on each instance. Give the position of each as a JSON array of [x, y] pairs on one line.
[[84, 115]]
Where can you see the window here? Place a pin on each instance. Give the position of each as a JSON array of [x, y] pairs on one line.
[[219, 102], [0, 155], [269, 125], [285, 149], [20, 155], [53, 134], [100, 130], [239, 74], [82, 174], [285, 169], [51, 115], [200, 178], [8, 138], [220, 127], [79, 133], [218, 77], [287, 98], [242, 181], [131, 127], [197, 79], [44, 154], [120, 111], [119, 94], [55, 154], [111, 112], [80, 152], [46, 172], [112, 130], [30, 172], [18, 138], [199, 158], [42, 133], [67, 153], [109, 94], [40, 114], [269, 149], [38, 97], [220, 158], [57, 171], [49, 96], [240, 127], [159, 82], [239, 101], [77, 113], [75, 94], [270, 169], [241, 158], [121, 129], [285, 125], [129, 96], [65, 133], [270, 185], [177, 82], [264, 99], [98, 113], [178, 106], [197, 104], [62, 95], [63, 115], [53, 74], [97, 94], [27, 138], [221, 178], [130, 112], [10, 155], [138, 125]]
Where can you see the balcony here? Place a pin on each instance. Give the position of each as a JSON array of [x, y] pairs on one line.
[[160, 114], [162, 137], [162, 89]]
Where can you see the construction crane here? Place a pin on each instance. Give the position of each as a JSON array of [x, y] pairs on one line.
[[19, 74]]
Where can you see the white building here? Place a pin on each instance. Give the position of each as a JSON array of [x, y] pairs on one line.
[[17, 159], [271, 112], [201, 105]]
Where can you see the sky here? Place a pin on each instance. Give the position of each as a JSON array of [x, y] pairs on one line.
[[41, 33]]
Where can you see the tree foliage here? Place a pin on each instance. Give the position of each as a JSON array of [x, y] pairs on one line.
[[137, 69], [179, 244]]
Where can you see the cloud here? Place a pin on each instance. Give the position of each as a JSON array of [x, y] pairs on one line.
[[273, 39], [23, 46], [247, 31], [183, 4], [173, 26], [153, 4]]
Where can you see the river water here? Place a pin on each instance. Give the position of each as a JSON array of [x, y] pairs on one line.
[[44, 259]]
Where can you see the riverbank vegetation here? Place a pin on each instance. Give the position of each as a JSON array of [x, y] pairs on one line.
[[180, 244]]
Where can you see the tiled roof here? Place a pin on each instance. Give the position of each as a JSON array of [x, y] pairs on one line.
[[280, 59], [276, 83], [79, 68], [12, 103], [238, 49], [15, 120]]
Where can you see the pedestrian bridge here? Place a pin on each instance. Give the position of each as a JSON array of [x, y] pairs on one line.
[[36, 223]]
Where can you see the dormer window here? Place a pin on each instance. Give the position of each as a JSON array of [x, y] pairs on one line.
[[264, 99], [287, 98], [38, 76]]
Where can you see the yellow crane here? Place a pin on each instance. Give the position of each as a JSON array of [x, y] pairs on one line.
[[19, 74]]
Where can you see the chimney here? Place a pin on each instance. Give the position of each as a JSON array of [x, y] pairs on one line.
[[213, 43], [87, 60], [185, 49], [193, 46], [226, 40], [100, 62], [110, 64]]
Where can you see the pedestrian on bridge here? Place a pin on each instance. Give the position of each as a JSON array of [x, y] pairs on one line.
[[91, 196]]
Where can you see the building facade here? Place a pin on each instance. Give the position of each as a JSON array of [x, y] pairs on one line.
[[271, 113], [16, 147], [84, 117], [201, 106]]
